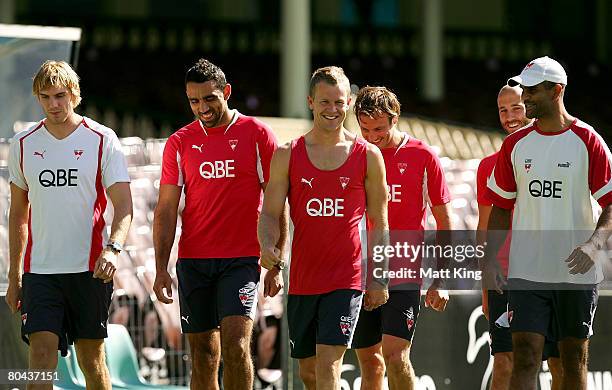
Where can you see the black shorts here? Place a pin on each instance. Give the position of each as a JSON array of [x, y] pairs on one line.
[[398, 317], [499, 329], [73, 306], [556, 311], [212, 289], [328, 319]]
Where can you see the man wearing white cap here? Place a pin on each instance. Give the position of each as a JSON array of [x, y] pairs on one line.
[[548, 172]]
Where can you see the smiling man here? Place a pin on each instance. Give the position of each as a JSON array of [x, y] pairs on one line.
[[544, 179], [415, 179], [221, 160], [511, 110], [330, 178]]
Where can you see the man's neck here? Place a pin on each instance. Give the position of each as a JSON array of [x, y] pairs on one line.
[[328, 138], [64, 129], [555, 122], [226, 118], [396, 138]]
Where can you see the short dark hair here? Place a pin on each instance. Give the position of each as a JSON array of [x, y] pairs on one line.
[[376, 101], [204, 71]]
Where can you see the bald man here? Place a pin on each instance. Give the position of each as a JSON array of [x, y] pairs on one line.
[[512, 117]]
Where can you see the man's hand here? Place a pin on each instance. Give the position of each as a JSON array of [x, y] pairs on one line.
[[493, 277], [270, 257], [163, 281], [106, 266], [436, 298], [582, 259], [273, 282], [377, 295], [13, 294]]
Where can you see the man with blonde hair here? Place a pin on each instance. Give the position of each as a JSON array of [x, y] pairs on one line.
[[61, 262], [414, 179], [331, 179]]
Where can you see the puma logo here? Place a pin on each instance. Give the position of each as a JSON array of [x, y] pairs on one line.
[[197, 147], [185, 318], [41, 154], [308, 182]]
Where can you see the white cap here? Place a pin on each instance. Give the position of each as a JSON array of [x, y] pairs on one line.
[[539, 70]]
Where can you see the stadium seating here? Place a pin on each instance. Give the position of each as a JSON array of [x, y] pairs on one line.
[[122, 362], [66, 376]]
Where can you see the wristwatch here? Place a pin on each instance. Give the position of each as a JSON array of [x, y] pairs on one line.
[[280, 266], [115, 247]]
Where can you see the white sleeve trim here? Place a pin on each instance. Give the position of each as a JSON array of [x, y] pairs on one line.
[[603, 190], [492, 185], [259, 165], [180, 172]]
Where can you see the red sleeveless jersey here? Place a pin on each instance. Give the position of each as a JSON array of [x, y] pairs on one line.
[[326, 208]]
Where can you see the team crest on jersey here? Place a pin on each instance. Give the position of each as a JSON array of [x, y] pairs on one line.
[[24, 318], [233, 143], [528, 165], [402, 167], [78, 153], [344, 181], [410, 318]]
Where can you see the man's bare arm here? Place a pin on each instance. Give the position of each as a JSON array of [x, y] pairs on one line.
[[18, 236], [376, 206], [497, 230], [121, 198], [436, 297], [481, 238], [270, 228], [583, 258], [164, 229]]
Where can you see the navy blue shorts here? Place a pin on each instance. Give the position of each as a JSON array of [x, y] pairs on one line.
[[398, 317], [556, 311], [328, 319], [212, 289], [73, 306], [499, 331]]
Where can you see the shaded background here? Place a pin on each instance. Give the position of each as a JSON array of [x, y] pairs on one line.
[[134, 53]]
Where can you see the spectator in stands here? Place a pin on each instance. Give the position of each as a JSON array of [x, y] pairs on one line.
[[512, 117], [415, 178], [551, 170], [62, 265], [221, 160]]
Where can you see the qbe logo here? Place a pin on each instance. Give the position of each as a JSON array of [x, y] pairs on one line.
[[217, 169], [394, 195], [325, 207], [545, 188], [58, 178]]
